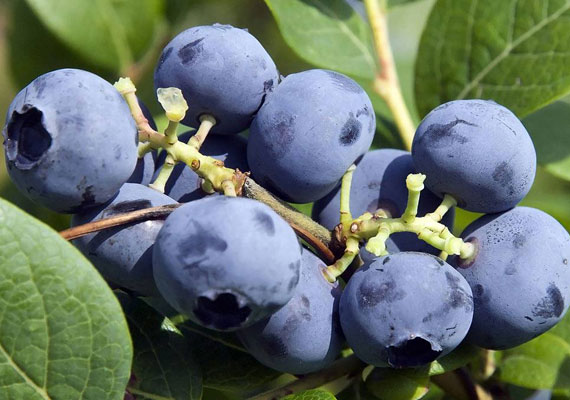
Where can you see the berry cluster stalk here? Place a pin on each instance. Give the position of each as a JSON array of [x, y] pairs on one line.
[[376, 228], [386, 83]]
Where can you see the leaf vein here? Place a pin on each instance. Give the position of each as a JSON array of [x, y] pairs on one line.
[[510, 46]]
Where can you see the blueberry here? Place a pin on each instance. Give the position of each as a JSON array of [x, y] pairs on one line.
[[70, 140], [379, 181], [477, 151], [405, 310], [123, 255], [520, 276], [305, 335], [222, 71], [184, 184], [308, 132], [226, 262]]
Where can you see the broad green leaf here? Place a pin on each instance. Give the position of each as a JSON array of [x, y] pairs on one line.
[[225, 364], [515, 52], [456, 359], [163, 366], [112, 34], [542, 363], [550, 131], [28, 62], [315, 394], [327, 33], [62, 332], [397, 384]]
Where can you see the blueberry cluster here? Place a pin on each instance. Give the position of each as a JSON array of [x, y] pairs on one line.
[[233, 264]]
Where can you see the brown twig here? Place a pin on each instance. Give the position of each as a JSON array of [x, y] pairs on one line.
[[345, 366], [313, 233], [146, 214]]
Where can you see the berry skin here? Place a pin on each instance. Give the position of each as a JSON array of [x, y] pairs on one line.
[[226, 262], [222, 71], [379, 181], [70, 140], [184, 184], [308, 132], [477, 151], [123, 255], [305, 335], [520, 276], [405, 310]]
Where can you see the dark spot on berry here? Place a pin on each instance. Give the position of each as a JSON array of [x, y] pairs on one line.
[[88, 198], [189, 52], [200, 241], [268, 85], [163, 57], [510, 270], [273, 346], [126, 206], [504, 174], [363, 111], [480, 297], [427, 318], [385, 260], [284, 127], [529, 318], [443, 135], [264, 222], [344, 82], [40, 84], [372, 293], [350, 131], [550, 306], [440, 262]]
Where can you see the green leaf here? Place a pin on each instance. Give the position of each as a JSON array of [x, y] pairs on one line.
[[394, 3], [542, 363], [28, 62], [326, 33], [112, 34], [225, 364], [315, 394], [456, 359], [62, 332], [163, 366], [550, 131], [397, 384], [515, 52]]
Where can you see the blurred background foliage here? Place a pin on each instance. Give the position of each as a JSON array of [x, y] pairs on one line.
[[33, 41]]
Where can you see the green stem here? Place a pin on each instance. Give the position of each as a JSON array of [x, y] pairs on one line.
[[165, 172], [206, 124], [345, 214], [229, 188], [447, 203], [170, 132], [415, 184], [143, 149], [387, 84], [332, 272]]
